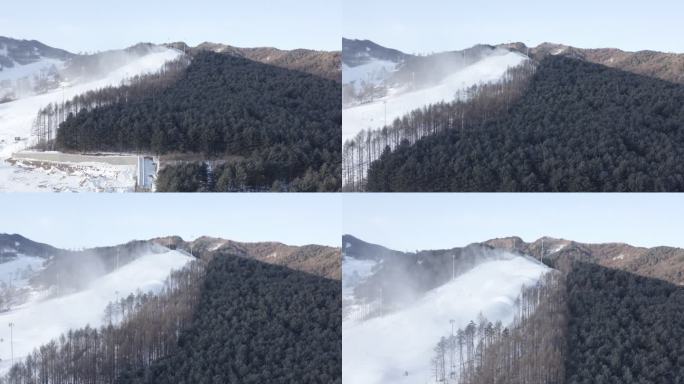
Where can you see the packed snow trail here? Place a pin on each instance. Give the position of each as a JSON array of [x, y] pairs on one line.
[[381, 349], [399, 102], [41, 319]]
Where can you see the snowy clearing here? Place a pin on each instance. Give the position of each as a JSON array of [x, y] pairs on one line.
[[401, 101], [39, 320], [381, 349]]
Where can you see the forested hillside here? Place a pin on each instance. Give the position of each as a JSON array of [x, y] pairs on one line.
[[258, 323], [578, 127], [623, 328], [270, 127]]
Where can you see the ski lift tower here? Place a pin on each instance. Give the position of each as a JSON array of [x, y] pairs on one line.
[[453, 266]]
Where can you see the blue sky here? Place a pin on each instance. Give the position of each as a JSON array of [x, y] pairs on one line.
[[84, 220], [438, 25], [86, 25], [409, 222]]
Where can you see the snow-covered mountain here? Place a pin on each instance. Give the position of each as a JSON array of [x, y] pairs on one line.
[[366, 66], [395, 344], [12, 245], [380, 85], [28, 67]]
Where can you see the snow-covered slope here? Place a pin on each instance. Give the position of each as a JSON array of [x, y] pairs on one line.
[[400, 101], [16, 119], [21, 79], [354, 271], [16, 272], [41, 319], [28, 67], [382, 349], [373, 72]]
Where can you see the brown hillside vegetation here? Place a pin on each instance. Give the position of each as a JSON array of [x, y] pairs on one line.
[[315, 259], [320, 63], [665, 263], [661, 65]]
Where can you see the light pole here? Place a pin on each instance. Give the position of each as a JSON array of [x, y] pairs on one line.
[[11, 325]]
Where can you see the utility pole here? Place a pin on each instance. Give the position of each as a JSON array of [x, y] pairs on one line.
[[11, 325]]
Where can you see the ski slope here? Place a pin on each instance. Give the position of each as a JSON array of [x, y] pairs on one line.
[[373, 72], [16, 119], [21, 79], [381, 349], [16, 272], [41, 319], [400, 101], [354, 271]]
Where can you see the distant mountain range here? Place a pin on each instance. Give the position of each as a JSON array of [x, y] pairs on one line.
[[23, 52], [662, 262]]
